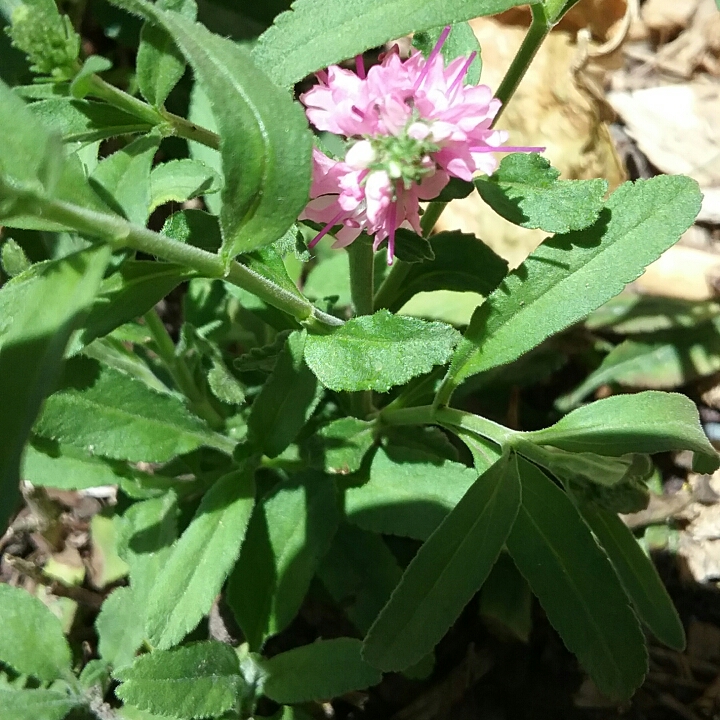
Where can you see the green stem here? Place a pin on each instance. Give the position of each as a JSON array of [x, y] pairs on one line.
[[121, 233], [387, 292], [132, 105], [539, 30], [362, 281], [362, 273], [449, 417], [421, 415], [432, 214], [475, 424], [180, 372]]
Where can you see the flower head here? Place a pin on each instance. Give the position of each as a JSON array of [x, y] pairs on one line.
[[412, 124]]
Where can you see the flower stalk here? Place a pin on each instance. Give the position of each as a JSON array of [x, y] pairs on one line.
[[362, 276], [540, 28]]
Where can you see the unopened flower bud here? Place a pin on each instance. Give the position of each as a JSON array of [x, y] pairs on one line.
[[418, 131], [361, 155], [394, 169]]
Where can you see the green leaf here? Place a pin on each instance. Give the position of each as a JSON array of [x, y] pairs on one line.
[[200, 112], [629, 313], [462, 263], [576, 585], [447, 571], [146, 535], [159, 64], [28, 153], [195, 227], [269, 263], [95, 674], [189, 582], [638, 576], [120, 634], [342, 445], [308, 38], [196, 681], [324, 669], [459, 43], [664, 361], [181, 180], [224, 385], [136, 287], [85, 121], [484, 452], [506, 600], [81, 83], [526, 191], [123, 179], [407, 493], [109, 567], [289, 533], [411, 247], [13, 258], [586, 467], [38, 311], [376, 352], [112, 352], [32, 641], [330, 278], [570, 275], [456, 189], [265, 142], [35, 704], [49, 464], [114, 415], [360, 572], [286, 400], [648, 422]]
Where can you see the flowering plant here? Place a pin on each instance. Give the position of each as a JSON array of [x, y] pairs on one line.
[[262, 422], [414, 124]]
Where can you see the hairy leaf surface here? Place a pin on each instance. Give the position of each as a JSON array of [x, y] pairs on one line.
[[38, 311], [447, 571], [570, 275], [201, 560], [265, 142], [112, 414], [647, 422], [196, 681], [308, 38], [32, 640], [576, 585], [376, 352], [324, 669]]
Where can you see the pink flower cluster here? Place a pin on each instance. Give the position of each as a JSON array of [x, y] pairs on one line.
[[412, 125]]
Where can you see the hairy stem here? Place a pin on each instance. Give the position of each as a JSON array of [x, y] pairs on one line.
[[180, 372], [362, 281], [362, 274], [387, 292], [450, 418], [430, 217], [122, 234], [177, 125]]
